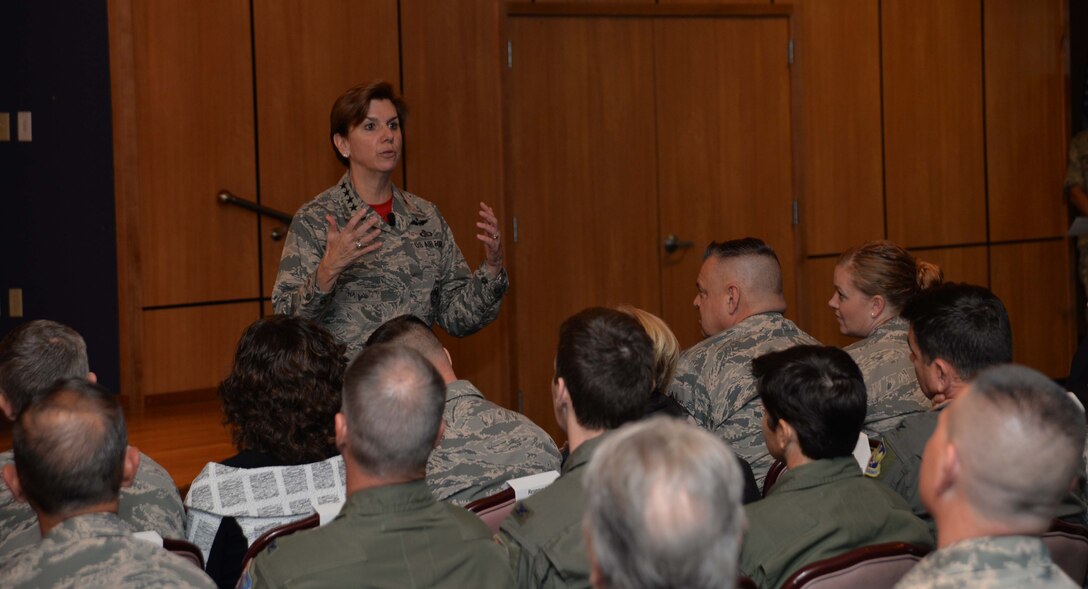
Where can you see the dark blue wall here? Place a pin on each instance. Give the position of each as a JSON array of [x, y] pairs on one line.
[[57, 237]]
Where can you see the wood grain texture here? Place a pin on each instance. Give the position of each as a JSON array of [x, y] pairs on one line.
[[1034, 280], [723, 148], [1026, 112], [194, 108], [452, 57], [126, 197], [933, 141], [192, 347], [582, 182], [308, 52], [839, 151]]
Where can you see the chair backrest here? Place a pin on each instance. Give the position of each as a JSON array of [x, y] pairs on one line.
[[879, 566], [494, 508], [746, 583], [1068, 546], [185, 549], [311, 521], [777, 468]]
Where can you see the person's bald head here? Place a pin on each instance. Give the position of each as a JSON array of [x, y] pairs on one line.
[[739, 278], [70, 448], [1017, 441], [411, 332]]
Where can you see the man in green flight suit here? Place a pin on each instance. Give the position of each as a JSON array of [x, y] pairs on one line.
[[603, 378], [391, 532]]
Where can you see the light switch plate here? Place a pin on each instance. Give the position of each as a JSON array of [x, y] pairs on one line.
[[5, 126], [24, 125]]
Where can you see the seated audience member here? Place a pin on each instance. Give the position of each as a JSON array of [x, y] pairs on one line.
[[993, 474], [71, 460], [663, 509], [279, 401], [483, 445], [873, 282], [603, 378], [391, 532], [740, 304], [33, 357], [666, 355], [814, 402]]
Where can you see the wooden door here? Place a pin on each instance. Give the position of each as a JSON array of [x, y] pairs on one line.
[[581, 182], [724, 149]]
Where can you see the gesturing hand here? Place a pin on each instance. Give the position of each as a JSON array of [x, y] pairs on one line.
[[345, 245], [491, 239]]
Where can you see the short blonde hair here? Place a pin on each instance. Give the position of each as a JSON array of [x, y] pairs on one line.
[[666, 347]]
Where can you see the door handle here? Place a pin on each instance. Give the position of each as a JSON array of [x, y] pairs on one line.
[[672, 243], [277, 234]]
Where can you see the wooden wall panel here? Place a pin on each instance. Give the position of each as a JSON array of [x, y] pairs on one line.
[[192, 347], [308, 52], [452, 59], [1034, 280], [194, 105], [1025, 117], [839, 149], [577, 108], [723, 148], [934, 161]]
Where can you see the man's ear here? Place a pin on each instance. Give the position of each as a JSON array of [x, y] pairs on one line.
[[732, 298], [340, 427], [943, 373], [441, 432], [130, 466], [5, 406], [92, 377], [785, 435], [560, 393], [11, 479], [948, 471]]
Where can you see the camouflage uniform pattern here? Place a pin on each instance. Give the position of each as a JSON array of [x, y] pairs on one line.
[[1000, 562], [98, 550], [484, 446], [1076, 174], [892, 386], [418, 270], [150, 503], [714, 382], [395, 536], [543, 534]]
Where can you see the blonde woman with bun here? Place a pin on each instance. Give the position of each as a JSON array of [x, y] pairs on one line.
[[873, 282]]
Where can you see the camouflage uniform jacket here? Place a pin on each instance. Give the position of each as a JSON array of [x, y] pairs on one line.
[[820, 510], [484, 446], [150, 503], [418, 270], [999, 562], [395, 536], [543, 534], [1076, 174], [98, 550], [714, 382], [884, 360]]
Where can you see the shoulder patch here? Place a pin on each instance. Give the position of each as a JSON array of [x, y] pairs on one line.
[[872, 469], [521, 513]]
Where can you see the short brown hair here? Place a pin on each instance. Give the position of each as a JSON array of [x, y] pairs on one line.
[[883, 268], [351, 107]]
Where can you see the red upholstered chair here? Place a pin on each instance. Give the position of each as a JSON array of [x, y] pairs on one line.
[[746, 583], [777, 468], [311, 521], [1068, 546], [186, 550], [874, 567], [494, 508]]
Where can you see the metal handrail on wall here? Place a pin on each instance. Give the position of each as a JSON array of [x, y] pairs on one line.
[[226, 197]]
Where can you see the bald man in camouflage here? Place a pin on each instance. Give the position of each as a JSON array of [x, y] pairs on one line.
[[740, 304], [484, 445]]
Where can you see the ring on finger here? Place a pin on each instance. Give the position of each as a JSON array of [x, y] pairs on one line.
[[494, 236], [358, 244]]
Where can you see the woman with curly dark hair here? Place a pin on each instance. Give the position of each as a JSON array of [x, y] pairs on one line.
[[279, 402]]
